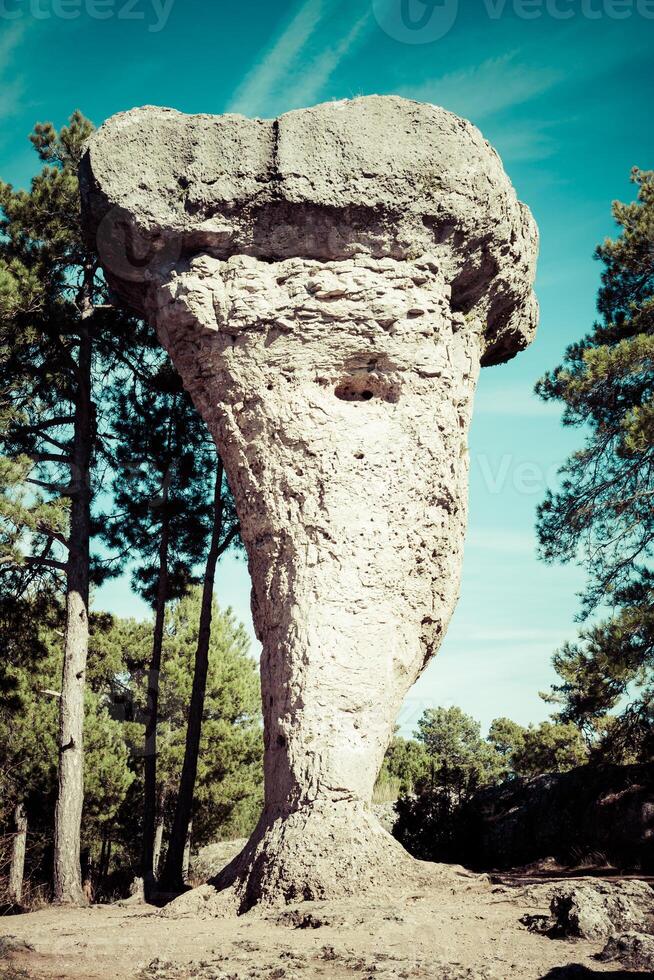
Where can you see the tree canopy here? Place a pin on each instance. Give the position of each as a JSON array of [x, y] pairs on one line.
[[602, 514]]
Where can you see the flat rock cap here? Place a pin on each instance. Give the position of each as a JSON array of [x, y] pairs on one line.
[[379, 175]]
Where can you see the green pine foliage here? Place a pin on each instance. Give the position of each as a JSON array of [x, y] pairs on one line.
[[163, 465], [449, 762], [228, 791], [51, 293], [602, 515], [405, 765], [229, 786], [460, 760], [28, 734], [552, 746]]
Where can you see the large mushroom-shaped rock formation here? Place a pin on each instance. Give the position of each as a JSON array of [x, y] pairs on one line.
[[328, 284]]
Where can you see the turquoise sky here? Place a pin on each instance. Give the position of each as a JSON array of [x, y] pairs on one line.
[[563, 88]]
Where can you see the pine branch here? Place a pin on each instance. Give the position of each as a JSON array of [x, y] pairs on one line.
[[50, 458], [234, 531], [52, 534], [66, 491], [57, 420], [45, 562]]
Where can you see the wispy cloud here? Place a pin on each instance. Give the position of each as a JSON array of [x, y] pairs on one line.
[[474, 635], [317, 74], [9, 41], [488, 88], [254, 92], [524, 142], [296, 67]]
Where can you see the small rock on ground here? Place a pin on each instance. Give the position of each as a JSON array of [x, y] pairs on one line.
[[596, 910]]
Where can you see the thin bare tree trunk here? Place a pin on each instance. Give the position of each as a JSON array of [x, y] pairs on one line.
[[187, 852], [158, 842], [103, 855], [150, 741], [17, 868], [70, 798], [173, 874]]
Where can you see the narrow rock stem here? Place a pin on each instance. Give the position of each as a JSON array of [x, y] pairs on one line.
[[339, 395]]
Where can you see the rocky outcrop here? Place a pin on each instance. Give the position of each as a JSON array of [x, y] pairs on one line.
[[596, 910], [634, 950], [386, 814], [378, 176], [328, 285], [212, 858], [592, 814]]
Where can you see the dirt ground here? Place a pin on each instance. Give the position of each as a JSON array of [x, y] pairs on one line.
[[449, 928]]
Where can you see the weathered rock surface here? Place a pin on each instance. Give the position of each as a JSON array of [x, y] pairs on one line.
[[212, 858], [596, 910], [594, 814], [327, 284], [386, 814], [380, 175], [633, 949]]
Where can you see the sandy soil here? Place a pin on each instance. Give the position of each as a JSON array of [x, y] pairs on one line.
[[451, 928]]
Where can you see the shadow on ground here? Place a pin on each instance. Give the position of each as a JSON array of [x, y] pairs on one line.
[[578, 972]]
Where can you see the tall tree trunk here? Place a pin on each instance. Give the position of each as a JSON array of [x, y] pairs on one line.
[[150, 740], [70, 798], [107, 862], [187, 852], [17, 868], [103, 855], [173, 873], [158, 842]]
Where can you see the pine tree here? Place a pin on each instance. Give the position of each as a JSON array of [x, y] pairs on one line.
[[229, 779], [28, 734], [224, 533], [460, 760], [406, 764], [507, 738], [59, 340], [602, 516], [164, 462], [549, 747]]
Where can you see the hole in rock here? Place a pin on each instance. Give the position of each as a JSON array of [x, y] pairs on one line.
[[364, 388], [348, 392], [366, 376]]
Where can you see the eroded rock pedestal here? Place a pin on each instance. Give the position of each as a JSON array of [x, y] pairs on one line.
[[327, 284]]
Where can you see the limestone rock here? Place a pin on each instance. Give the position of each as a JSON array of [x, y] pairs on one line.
[[327, 285], [633, 949], [592, 814], [386, 814], [213, 857], [136, 889], [379, 176], [596, 910]]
